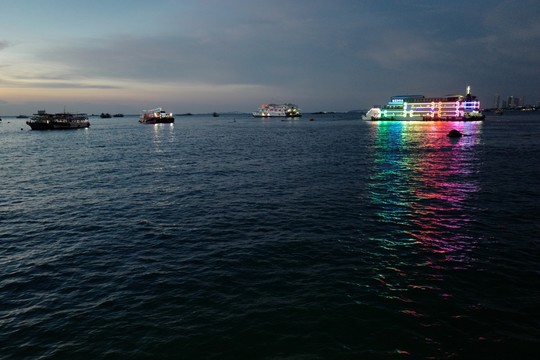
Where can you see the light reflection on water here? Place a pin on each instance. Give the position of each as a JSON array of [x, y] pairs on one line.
[[421, 184]]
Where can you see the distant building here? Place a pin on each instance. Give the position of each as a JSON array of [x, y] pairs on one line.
[[497, 102], [510, 102]]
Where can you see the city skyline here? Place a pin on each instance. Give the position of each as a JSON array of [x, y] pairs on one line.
[[206, 56], [512, 101]]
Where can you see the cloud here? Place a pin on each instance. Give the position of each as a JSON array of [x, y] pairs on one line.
[[250, 43], [236, 55], [347, 52], [54, 81], [66, 85]]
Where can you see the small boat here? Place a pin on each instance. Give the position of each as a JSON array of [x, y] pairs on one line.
[[105, 116], [156, 116], [273, 110], [61, 121], [215, 114], [22, 117], [118, 115]]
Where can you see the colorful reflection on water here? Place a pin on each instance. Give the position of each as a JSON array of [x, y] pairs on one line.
[[421, 179], [421, 188]]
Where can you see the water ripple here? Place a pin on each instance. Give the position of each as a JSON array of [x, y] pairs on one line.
[[274, 240]]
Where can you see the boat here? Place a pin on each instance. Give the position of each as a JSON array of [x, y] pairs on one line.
[[105, 115], [156, 116], [118, 115], [418, 107], [273, 110], [61, 121], [22, 117]]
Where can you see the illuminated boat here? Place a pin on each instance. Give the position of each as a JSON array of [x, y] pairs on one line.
[[156, 116], [61, 121], [418, 107], [273, 110]]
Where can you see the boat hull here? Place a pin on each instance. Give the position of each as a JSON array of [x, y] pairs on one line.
[[72, 126], [40, 125], [427, 118], [55, 126], [157, 121]]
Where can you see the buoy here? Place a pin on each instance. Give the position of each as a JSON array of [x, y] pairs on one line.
[[454, 134]]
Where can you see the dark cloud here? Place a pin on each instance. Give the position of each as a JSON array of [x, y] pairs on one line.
[[343, 54]]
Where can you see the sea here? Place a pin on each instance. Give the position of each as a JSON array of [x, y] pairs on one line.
[[233, 237]]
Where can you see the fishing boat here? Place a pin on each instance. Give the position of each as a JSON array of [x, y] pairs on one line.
[[418, 107], [61, 121], [273, 110], [156, 116]]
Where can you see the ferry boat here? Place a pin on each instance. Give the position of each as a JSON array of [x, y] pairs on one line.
[[156, 116], [61, 121], [273, 110], [419, 107]]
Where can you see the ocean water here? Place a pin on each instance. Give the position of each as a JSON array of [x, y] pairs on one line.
[[243, 238]]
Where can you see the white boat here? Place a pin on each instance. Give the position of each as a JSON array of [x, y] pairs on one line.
[[273, 110], [419, 107], [156, 116]]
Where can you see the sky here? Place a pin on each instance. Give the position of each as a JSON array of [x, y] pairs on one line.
[[203, 56]]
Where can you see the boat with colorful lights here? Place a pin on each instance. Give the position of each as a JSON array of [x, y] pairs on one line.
[[418, 107], [156, 116], [61, 121], [273, 110]]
